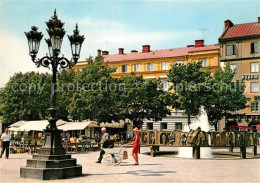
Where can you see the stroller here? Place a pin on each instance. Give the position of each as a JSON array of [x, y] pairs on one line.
[[120, 154]]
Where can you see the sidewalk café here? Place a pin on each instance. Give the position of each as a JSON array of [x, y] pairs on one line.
[[31, 129], [118, 129], [78, 129]]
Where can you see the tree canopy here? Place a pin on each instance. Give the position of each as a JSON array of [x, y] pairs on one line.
[[188, 82], [226, 96], [26, 97], [143, 99]]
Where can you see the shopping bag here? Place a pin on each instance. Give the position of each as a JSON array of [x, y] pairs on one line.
[[125, 155]]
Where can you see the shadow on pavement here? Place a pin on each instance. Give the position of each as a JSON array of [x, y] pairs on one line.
[[136, 173]]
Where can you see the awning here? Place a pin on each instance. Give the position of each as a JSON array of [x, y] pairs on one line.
[[241, 127], [78, 126], [39, 125], [112, 125], [34, 125], [13, 129]]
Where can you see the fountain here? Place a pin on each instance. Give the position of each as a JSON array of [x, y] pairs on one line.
[[200, 121]]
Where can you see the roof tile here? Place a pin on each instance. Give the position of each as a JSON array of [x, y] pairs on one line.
[[166, 53], [241, 30]]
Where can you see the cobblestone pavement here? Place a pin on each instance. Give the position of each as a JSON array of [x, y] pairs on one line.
[[151, 169]]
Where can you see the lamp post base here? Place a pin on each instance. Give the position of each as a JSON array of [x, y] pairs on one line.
[[52, 162], [52, 144], [50, 167]]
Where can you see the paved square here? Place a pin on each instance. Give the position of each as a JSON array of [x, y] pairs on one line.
[[157, 169]]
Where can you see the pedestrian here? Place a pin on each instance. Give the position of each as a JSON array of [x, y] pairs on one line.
[[106, 143], [5, 138], [136, 143]]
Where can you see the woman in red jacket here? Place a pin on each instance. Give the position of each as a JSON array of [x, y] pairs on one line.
[[136, 144]]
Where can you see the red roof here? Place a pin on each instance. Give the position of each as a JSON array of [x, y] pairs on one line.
[[167, 53], [241, 30]]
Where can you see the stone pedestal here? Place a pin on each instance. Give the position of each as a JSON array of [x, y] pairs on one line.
[[49, 167], [51, 162], [52, 144]]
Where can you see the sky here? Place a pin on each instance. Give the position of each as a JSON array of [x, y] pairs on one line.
[[112, 24]]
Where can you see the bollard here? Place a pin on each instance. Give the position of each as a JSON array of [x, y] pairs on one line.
[[153, 150], [157, 148], [243, 152], [196, 152], [255, 150]]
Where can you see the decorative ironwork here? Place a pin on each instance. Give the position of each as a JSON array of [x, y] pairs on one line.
[[56, 33]]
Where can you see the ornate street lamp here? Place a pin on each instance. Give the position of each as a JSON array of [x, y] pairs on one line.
[[52, 147]]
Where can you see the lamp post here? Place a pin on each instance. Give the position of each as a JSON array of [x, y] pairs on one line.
[[56, 33], [52, 148]]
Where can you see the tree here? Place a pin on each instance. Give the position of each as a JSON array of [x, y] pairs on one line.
[[142, 99], [26, 97], [94, 99], [189, 84], [226, 96]]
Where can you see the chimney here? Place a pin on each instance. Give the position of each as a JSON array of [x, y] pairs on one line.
[[120, 51], [134, 51], [259, 20], [228, 24], [99, 52], [199, 43], [146, 48], [105, 52]]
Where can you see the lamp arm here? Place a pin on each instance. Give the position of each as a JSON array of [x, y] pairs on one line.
[[44, 61], [64, 62]]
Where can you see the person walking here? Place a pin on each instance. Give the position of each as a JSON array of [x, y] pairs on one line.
[[106, 143], [136, 143], [5, 138]]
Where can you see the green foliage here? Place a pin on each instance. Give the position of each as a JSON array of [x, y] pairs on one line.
[[142, 99], [188, 82], [93, 99], [227, 95], [26, 97]]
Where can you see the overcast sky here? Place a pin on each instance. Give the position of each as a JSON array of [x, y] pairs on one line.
[[112, 24]]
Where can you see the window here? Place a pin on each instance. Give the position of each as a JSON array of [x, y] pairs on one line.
[[149, 126], [254, 87], [230, 50], [254, 106], [137, 67], [233, 67], [150, 67], [124, 68], [178, 62], [163, 126], [164, 65], [254, 47], [204, 62], [254, 66], [178, 126]]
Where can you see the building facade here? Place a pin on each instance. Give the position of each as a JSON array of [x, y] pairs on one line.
[[154, 64], [239, 45]]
